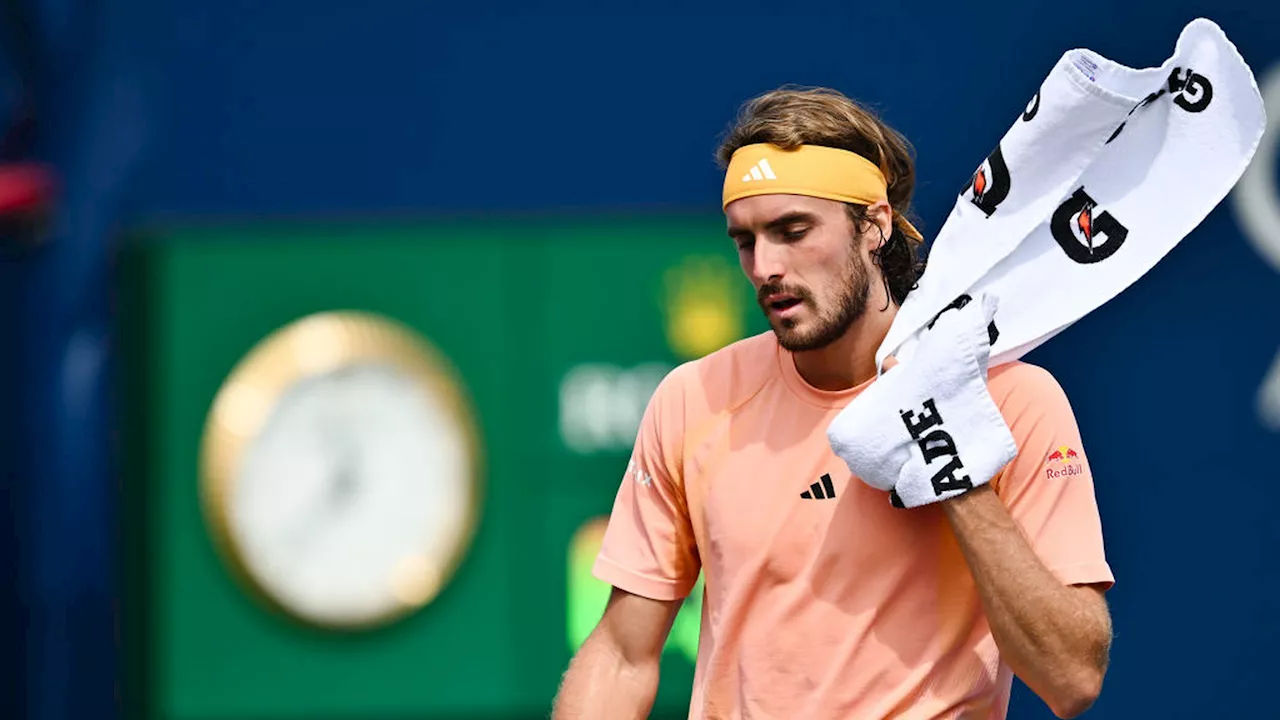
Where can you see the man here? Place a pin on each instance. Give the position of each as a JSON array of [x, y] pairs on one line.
[[822, 599]]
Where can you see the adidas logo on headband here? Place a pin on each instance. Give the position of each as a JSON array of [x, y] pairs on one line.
[[760, 171]]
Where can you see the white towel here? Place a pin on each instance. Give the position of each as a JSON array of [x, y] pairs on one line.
[[946, 436], [1112, 171]]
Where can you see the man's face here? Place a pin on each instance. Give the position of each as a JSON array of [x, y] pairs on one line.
[[805, 259]]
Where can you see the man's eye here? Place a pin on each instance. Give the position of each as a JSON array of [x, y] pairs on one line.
[[794, 233]]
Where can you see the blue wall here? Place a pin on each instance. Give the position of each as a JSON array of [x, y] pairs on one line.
[[289, 108]]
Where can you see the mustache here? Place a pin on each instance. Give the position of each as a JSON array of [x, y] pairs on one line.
[[800, 293]]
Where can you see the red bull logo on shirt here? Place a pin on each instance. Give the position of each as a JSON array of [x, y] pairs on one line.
[[1063, 462]]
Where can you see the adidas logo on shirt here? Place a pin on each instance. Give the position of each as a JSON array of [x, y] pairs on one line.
[[760, 171], [823, 491]]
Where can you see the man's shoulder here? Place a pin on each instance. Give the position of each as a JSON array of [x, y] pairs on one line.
[[1019, 387], [725, 378], [1019, 375]]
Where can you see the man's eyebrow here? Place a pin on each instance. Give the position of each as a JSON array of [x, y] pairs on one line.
[[779, 222], [794, 216]]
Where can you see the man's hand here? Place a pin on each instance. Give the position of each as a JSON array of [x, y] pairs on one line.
[[1056, 638], [929, 430]]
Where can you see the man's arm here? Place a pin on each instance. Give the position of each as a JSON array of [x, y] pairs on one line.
[[615, 672], [649, 549], [1055, 637]]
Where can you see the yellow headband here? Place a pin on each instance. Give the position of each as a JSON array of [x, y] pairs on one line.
[[812, 170]]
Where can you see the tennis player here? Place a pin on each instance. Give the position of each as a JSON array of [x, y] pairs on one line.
[[823, 600]]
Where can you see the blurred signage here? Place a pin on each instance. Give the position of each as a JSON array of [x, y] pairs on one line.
[[601, 405], [560, 356]]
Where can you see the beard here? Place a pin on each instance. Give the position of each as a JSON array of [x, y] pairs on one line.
[[828, 324]]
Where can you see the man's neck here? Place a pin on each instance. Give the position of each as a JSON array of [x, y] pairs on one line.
[[850, 360]]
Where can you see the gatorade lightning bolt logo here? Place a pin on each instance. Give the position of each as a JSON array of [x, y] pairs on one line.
[[989, 190], [1085, 236], [1085, 221]]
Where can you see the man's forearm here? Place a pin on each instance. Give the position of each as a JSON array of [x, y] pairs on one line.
[[601, 683], [1052, 636]]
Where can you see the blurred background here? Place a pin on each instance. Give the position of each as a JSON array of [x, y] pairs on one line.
[[520, 203]]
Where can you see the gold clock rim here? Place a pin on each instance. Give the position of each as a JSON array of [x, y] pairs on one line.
[[272, 367]]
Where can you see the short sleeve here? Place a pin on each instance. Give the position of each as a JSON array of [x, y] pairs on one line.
[[1048, 486], [649, 547]]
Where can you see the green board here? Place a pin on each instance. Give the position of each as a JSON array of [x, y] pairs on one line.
[[559, 329]]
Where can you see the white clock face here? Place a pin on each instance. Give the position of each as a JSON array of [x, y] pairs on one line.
[[356, 497]]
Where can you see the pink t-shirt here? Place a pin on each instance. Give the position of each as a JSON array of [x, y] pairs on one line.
[[822, 600]]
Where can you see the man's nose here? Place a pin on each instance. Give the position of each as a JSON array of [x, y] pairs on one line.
[[768, 262]]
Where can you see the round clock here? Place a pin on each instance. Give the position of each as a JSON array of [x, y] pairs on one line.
[[340, 470]]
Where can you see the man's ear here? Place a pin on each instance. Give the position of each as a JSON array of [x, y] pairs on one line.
[[881, 215]]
